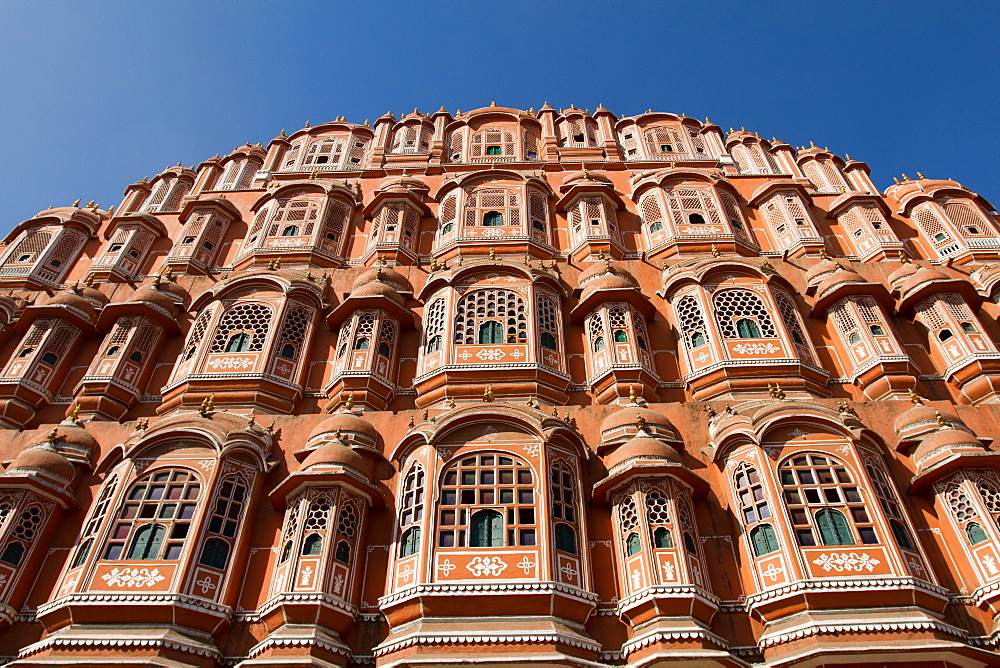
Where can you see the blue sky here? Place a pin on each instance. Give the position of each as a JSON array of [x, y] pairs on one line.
[[93, 96]]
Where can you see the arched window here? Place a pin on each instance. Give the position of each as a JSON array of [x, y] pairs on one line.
[[820, 495], [12, 554], [628, 521], [312, 545], [505, 308], [548, 341], [598, 344], [252, 321], [661, 538], [887, 499], [362, 343], [343, 552], [490, 332], [167, 496], [215, 553], [735, 306], [50, 358], [621, 336], [475, 487], [486, 529], [763, 540], [22, 534], [632, 544], [563, 488], [565, 538], [290, 231], [750, 495], [434, 325], [975, 533], [410, 542], [492, 219]]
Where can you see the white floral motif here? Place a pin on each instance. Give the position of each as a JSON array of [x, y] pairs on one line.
[[701, 358], [795, 433], [531, 449], [231, 363], [286, 243], [755, 348], [990, 564], [206, 464], [668, 570], [338, 583], [69, 584], [526, 565], [847, 561], [517, 354], [481, 566], [773, 572], [133, 577], [492, 354], [569, 571], [206, 584], [636, 578], [406, 573], [306, 577], [447, 567]]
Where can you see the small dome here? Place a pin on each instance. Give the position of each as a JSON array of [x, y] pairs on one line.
[[74, 300], [819, 270], [386, 275], [645, 448], [75, 436], [624, 422], [347, 423], [945, 439], [377, 289], [838, 277], [904, 270], [154, 296], [43, 458], [606, 282], [93, 295], [600, 269], [335, 453], [922, 415], [919, 277]]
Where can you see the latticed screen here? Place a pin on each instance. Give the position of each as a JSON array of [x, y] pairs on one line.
[[243, 328], [434, 327], [692, 321], [967, 219], [663, 140], [491, 316], [741, 314], [26, 251], [487, 500], [890, 506], [823, 501], [155, 518], [492, 142], [548, 324], [293, 333], [690, 206], [292, 218]]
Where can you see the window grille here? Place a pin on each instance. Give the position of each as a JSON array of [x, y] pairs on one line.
[[698, 142], [387, 337], [318, 515], [434, 328], [293, 333], [967, 219], [538, 210], [820, 496], [687, 205], [159, 194], [563, 490], [155, 517], [456, 144], [506, 308], [957, 307], [732, 211], [250, 319], [411, 507], [347, 520], [890, 506], [224, 522], [22, 534], [661, 140], [143, 342], [337, 215], [488, 138], [291, 527], [356, 156], [530, 145], [481, 484], [790, 316], [26, 251], [97, 515], [64, 251], [324, 152], [38, 331], [929, 312], [548, 324], [734, 306], [291, 157], [658, 518], [932, 226], [483, 204], [229, 176], [750, 495], [652, 215], [595, 330], [301, 213], [989, 490], [961, 508]]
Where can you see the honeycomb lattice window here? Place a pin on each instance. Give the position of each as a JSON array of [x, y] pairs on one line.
[[22, 533], [548, 322], [291, 528], [595, 330], [318, 515], [347, 520], [790, 316], [476, 311], [657, 508], [243, 328], [931, 225], [652, 214], [733, 310], [989, 490], [691, 321], [386, 337], [628, 516], [821, 498], [961, 508], [293, 333]]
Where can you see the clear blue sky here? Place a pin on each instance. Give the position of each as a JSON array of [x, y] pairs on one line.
[[93, 96]]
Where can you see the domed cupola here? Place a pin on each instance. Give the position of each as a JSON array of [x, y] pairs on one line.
[[920, 420], [43, 468], [819, 271], [947, 450], [626, 423]]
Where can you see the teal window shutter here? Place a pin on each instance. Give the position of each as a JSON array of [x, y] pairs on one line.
[[975, 533], [833, 528], [747, 328], [147, 542], [763, 539], [632, 545], [661, 538]]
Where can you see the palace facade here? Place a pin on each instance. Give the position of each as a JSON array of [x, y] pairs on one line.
[[504, 387]]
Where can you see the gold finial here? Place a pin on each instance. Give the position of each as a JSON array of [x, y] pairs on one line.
[[531, 401], [663, 265], [711, 411], [493, 103], [778, 392], [424, 417], [156, 281], [251, 419], [847, 155], [837, 265], [90, 204], [608, 269], [76, 203], [822, 254], [488, 394], [410, 423], [531, 112], [277, 263], [812, 145], [640, 422], [601, 256], [207, 406], [766, 264], [378, 272], [434, 265], [451, 402], [313, 174], [142, 424], [904, 258], [555, 412], [845, 408], [896, 180], [75, 413], [90, 281], [367, 124], [349, 404], [940, 418], [921, 176], [307, 124], [282, 133], [381, 259], [715, 251], [905, 177], [270, 427], [729, 410], [631, 394], [168, 274], [51, 438], [493, 253], [568, 419]]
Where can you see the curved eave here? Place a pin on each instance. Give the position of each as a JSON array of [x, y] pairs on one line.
[[841, 202], [575, 190], [968, 291], [448, 277], [771, 187], [73, 316], [146, 221], [328, 476], [922, 481], [340, 313], [875, 290], [24, 480], [219, 203], [407, 196], [154, 312], [86, 220], [311, 185], [598, 297], [640, 468]]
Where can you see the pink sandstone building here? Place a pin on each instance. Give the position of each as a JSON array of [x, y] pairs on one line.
[[505, 387]]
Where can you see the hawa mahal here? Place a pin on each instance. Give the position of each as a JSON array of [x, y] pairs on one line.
[[546, 387]]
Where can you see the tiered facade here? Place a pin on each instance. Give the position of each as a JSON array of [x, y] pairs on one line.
[[508, 387]]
